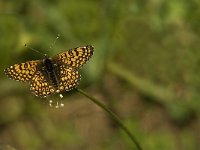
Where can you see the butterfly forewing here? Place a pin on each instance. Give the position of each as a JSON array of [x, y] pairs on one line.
[[69, 78], [23, 71], [76, 57]]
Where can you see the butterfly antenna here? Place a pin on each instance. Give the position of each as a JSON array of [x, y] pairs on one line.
[[34, 50], [58, 35]]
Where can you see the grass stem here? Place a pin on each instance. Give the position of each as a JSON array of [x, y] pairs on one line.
[[113, 116]]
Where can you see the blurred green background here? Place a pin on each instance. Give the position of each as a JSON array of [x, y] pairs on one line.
[[145, 67]]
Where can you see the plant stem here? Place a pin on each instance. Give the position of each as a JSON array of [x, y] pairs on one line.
[[113, 116], [144, 86]]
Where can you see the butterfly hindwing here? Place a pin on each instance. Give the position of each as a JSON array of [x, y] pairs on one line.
[[69, 78], [40, 86], [23, 71], [76, 57]]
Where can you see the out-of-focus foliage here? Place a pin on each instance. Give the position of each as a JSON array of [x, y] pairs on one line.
[[145, 67]]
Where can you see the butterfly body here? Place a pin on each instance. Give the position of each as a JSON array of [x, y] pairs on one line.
[[50, 70], [52, 75]]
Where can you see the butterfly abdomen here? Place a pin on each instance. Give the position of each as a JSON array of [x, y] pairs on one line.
[[51, 72]]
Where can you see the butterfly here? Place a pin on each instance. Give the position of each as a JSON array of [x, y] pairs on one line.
[[52, 75]]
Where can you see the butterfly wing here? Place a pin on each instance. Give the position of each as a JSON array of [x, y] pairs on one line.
[[76, 57], [69, 78], [23, 71], [40, 86]]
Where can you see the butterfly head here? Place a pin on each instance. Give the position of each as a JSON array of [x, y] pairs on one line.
[[46, 56], [48, 63]]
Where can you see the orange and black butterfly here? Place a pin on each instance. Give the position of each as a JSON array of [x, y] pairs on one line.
[[52, 75]]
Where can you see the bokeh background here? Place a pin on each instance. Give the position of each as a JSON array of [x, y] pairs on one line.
[[146, 68]]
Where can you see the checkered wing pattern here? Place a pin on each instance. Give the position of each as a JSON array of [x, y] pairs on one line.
[[24, 71], [69, 78], [52, 75], [40, 86], [76, 57]]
